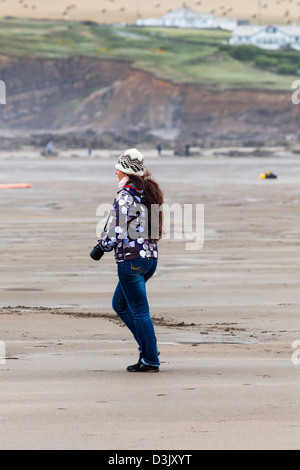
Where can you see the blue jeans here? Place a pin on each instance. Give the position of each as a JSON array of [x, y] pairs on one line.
[[131, 304]]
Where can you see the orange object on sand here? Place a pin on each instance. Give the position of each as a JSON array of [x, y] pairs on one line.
[[15, 186]]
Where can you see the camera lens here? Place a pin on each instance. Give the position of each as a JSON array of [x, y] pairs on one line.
[[96, 253]]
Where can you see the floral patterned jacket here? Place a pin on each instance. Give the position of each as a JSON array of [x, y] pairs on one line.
[[127, 230]]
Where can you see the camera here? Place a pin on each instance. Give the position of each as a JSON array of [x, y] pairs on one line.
[[96, 253]]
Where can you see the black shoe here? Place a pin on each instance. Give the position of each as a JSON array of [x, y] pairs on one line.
[[132, 368], [140, 367]]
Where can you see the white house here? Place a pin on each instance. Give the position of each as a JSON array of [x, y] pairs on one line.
[[267, 37], [187, 18]]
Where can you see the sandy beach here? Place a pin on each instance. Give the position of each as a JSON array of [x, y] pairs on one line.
[[225, 316], [108, 11]]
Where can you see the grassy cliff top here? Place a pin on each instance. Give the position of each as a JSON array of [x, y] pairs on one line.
[[196, 56]]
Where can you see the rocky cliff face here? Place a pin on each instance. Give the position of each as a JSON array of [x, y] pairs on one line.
[[83, 94]]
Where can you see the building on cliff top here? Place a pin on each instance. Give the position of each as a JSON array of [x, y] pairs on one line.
[[187, 18], [267, 37]]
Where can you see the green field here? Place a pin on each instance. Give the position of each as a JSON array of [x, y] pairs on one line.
[[180, 55]]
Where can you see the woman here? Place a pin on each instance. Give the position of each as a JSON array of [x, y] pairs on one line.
[[134, 230]]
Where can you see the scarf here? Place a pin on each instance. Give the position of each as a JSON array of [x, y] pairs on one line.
[[123, 182]]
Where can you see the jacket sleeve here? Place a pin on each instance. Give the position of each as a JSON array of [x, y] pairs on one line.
[[117, 227]]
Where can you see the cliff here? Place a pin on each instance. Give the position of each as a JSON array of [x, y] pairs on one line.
[[82, 95]]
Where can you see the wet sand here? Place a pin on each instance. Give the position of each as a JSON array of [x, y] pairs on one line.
[[225, 316]]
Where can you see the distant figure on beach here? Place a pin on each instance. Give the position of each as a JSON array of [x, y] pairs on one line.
[[159, 148], [90, 152], [187, 149], [49, 148], [130, 235]]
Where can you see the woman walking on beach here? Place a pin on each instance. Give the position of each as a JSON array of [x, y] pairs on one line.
[[134, 229]]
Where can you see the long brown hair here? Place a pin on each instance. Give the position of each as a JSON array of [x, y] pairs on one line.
[[154, 200]]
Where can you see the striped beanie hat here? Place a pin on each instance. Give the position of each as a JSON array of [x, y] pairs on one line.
[[131, 162]]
